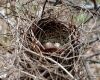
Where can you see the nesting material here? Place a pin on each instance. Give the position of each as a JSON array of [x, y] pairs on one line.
[[56, 40], [54, 34]]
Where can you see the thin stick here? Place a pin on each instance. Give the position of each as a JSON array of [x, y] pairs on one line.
[[43, 8], [61, 67]]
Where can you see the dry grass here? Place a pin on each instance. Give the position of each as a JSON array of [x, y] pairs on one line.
[[27, 58]]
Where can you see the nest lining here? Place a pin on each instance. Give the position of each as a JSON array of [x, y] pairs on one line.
[[52, 31]]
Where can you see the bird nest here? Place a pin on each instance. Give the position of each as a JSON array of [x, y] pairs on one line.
[[55, 43], [53, 33]]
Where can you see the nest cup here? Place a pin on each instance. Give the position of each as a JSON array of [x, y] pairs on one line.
[[54, 31]]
